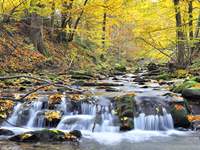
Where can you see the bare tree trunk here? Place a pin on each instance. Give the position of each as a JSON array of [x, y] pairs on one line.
[[197, 35], [104, 30], [66, 19], [52, 18], [191, 33], [36, 33], [71, 35], [180, 36]]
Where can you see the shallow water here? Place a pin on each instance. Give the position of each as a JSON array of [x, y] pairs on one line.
[[189, 142], [114, 140]]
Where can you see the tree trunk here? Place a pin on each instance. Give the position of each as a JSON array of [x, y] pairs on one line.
[[52, 18], [191, 33], [66, 19], [104, 30], [197, 35], [36, 33], [180, 36], [71, 35]]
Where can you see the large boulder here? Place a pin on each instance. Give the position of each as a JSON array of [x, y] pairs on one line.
[[6, 132], [47, 136], [125, 108], [191, 94], [180, 112]]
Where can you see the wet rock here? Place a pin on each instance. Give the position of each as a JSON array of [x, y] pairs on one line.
[[139, 80], [76, 133], [179, 112], [81, 75], [195, 125], [191, 94], [46, 136], [111, 89], [102, 84], [126, 124], [152, 66], [125, 108], [6, 132]]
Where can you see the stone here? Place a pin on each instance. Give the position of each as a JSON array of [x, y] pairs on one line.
[[191, 94], [46, 135], [6, 132]]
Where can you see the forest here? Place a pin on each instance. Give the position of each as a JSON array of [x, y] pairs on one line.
[[99, 74]]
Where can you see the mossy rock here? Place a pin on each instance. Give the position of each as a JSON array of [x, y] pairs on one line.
[[186, 84], [164, 76], [180, 112], [125, 107], [46, 135], [120, 67]]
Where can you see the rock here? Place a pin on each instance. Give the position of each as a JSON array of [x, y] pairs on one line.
[[76, 133], [112, 89], [179, 114], [152, 66], [126, 124], [6, 132], [191, 94], [125, 110], [46, 136], [101, 84], [81, 75], [195, 125], [139, 80]]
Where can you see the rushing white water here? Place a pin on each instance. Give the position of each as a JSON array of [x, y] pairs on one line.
[[154, 122], [13, 119], [98, 121], [76, 122], [33, 112]]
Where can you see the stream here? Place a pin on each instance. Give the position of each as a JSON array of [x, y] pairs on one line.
[[150, 131]]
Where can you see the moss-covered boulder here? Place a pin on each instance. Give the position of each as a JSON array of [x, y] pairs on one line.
[[179, 112], [186, 84], [47, 136], [125, 108]]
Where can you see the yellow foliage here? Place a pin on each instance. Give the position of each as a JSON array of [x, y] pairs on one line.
[[179, 107], [76, 97], [52, 115], [5, 108], [32, 97], [192, 118], [68, 136], [56, 98], [196, 86], [25, 136], [181, 73]]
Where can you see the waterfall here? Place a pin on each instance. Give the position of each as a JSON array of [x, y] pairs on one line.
[[76, 122], [33, 112], [154, 122], [88, 109], [13, 119]]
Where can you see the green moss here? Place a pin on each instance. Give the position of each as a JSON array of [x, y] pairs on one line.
[[164, 76], [187, 84], [120, 67]]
